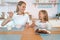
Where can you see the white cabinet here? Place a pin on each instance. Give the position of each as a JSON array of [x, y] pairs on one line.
[[10, 0], [55, 23], [0, 1], [43, 1]]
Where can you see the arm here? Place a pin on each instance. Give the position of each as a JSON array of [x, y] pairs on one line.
[[33, 24], [30, 21], [8, 19], [5, 21], [30, 25]]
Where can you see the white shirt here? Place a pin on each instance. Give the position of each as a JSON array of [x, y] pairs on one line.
[[20, 20], [41, 25]]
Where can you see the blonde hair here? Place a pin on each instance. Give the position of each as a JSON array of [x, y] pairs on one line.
[[19, 3], [45, 14]]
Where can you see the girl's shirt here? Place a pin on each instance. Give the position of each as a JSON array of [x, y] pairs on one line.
[[41, 25]]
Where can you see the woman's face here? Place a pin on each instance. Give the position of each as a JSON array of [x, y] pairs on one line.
[[41, 15], [22, 7]]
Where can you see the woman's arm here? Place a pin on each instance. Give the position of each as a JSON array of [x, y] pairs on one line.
[[5, 21], [8, 19], [33, 24]]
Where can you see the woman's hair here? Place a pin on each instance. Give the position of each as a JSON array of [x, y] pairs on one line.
[[19, 3], [45, 14]]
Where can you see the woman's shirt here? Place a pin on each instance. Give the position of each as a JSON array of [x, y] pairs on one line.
[[18, 21], [21, 19], [41, 25]]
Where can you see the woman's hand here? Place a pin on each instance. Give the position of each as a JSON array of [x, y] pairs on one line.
[[27, 25], [33, 23], [8, 19], [10, 14]]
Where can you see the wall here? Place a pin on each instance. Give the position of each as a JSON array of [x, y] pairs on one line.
[[34, 11], [58, 7], [31, 9]]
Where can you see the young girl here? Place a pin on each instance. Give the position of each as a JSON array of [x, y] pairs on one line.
[[42, 24], [20, 18]]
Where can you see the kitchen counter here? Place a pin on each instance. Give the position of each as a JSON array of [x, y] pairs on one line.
[[54, 22], [54, 30], [29, 34]]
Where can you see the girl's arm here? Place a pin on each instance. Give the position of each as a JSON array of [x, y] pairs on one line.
[[8, 19]]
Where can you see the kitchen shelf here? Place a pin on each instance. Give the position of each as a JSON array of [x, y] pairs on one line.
[[46, 3], [2, 5], [8, 4], [12, 3]]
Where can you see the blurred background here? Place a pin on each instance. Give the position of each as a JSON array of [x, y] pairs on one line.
[[33, 7]]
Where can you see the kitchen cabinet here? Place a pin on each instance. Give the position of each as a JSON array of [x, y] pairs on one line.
[[8, 2]]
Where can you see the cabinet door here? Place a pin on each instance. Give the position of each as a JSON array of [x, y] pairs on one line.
[[10, 0], [0, 1]]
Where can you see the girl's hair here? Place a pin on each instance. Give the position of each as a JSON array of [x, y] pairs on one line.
[[19, 3], [45, 14]]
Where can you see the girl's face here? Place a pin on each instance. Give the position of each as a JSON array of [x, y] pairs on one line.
[[22, 7], [41, 15]]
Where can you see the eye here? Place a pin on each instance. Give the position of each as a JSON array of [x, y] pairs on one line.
[[24, 7]]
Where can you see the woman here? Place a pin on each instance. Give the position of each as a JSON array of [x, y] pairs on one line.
[[20, 18]]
